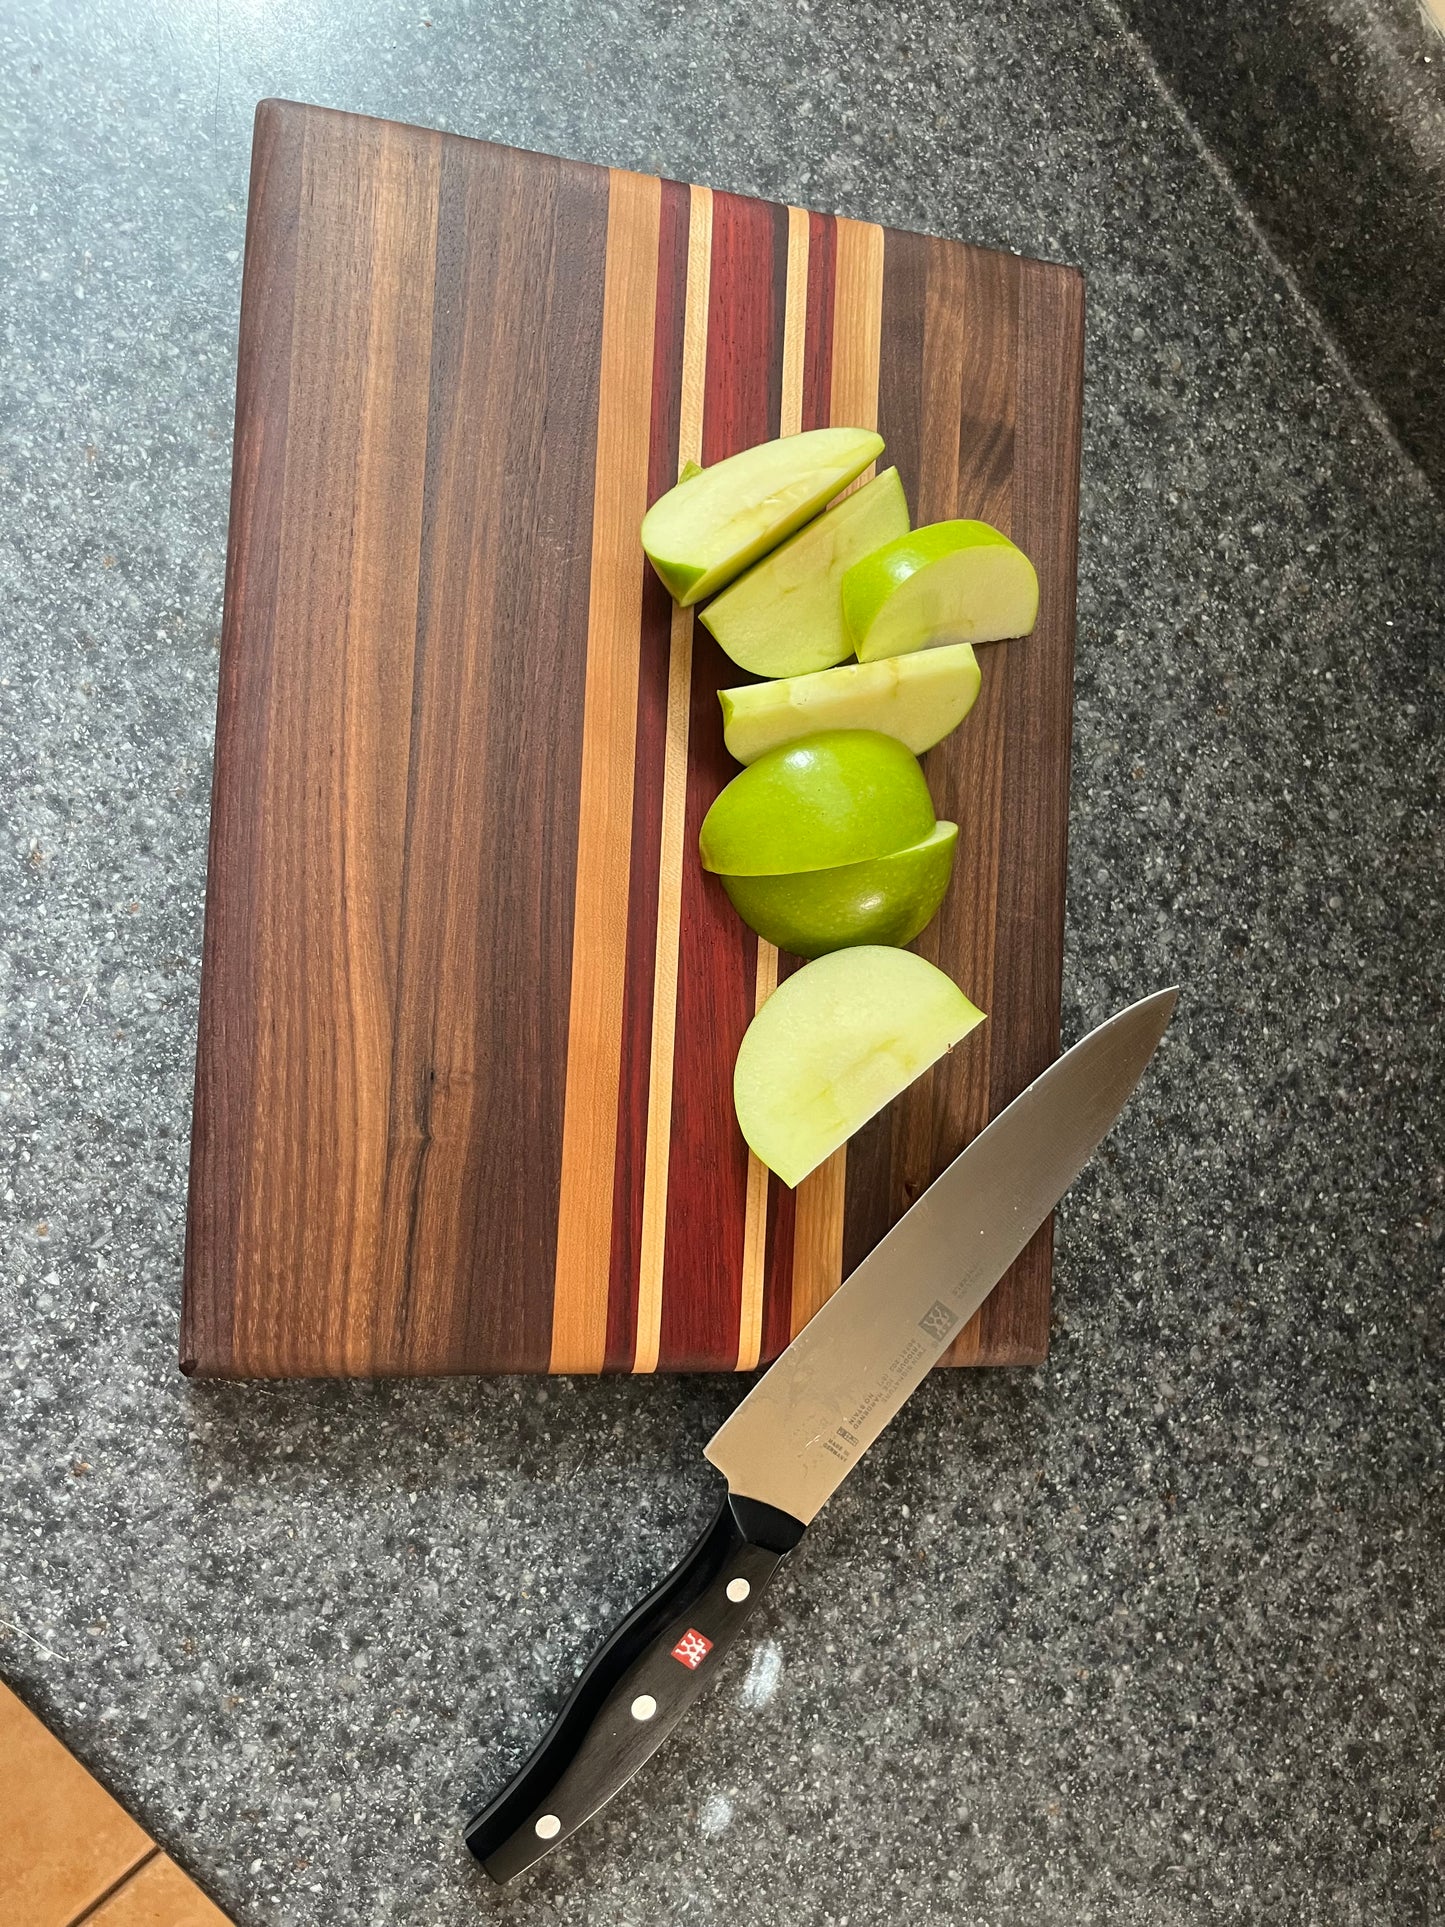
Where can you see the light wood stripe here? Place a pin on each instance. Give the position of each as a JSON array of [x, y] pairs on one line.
[[790, 421], [818, 1238], [599, 932], [857, 343], [674, 818], [857, 330], [795, 323]]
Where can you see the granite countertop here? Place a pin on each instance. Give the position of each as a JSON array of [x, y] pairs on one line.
[[1152, 1634]]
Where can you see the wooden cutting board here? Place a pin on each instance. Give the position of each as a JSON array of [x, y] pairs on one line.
[[469, 1004]]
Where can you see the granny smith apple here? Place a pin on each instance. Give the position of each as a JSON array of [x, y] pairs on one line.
[[785, 616], [836, 1042], [841, 796], [710, 526], [889, 899], [948, 582], [917, 698]]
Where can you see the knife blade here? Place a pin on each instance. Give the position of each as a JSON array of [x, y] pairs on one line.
[[802, 1428]]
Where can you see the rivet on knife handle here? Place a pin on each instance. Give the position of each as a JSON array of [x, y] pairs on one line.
[[636, 1688]]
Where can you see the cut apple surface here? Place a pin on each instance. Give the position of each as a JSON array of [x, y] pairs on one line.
[[710, 526], [784, 617], [841, 796], [949, 582], [917, 698], [836, 1042], [887, 900]]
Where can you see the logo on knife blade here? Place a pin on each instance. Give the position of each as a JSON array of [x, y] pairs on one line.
[[938, 1321]]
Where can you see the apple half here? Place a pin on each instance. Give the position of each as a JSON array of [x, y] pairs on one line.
[[886, 900], [918, 698], [836, 1042], [710, 526], [949, 582], [841, 796], [784, 617]]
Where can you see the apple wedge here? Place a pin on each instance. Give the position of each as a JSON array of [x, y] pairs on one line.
[[784, 617], [917, 698], [709, 527], [836, 1042], [842, 796], [887, 900], [949, 582]]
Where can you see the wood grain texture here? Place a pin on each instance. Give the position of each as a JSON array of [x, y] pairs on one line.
[[609, 760], [469, 1003]]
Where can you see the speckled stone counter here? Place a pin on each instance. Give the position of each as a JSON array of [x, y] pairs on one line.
[[1152, 1635], [1329, 116]]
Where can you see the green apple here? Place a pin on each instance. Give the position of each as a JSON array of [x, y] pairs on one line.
[[917, 698], [889, 899], [785, 616], [710, 526], [841, 796], [948, 582], [836, 1042]]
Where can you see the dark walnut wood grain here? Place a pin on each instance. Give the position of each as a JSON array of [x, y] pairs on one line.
[[469, 1004]]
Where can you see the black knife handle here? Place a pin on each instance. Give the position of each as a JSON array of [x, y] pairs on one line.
[[636, 1688]]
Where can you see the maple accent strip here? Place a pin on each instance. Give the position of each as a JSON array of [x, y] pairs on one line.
[[609, 725], [857, 342], [674, 814]]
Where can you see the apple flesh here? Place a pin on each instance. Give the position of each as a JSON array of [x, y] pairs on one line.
[[710, 526], [887, 900], [785, 616], [949, 582], [836, 1042], [917, 698], [841, 796]]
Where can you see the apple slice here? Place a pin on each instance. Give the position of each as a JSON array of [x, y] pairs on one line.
[[917, 698], [887, 900], [712, 525], [949, 582], [836, 1042], [785, 616], [842, 796]]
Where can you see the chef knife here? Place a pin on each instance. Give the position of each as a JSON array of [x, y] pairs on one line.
[[806, 1423]]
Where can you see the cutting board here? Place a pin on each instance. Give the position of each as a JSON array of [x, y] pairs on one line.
[[469, 1004]]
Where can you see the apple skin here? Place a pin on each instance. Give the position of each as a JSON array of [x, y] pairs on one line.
[[948, 582], [711, 525], [840, 796], [784, 616], [834, 1043], [887, 900], [918, 698]]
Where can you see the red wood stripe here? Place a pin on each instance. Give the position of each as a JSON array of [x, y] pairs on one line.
[[707, 1192], [815, 413], [655, 646]]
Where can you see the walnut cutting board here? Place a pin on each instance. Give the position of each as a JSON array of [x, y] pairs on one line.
[[469, 1004]]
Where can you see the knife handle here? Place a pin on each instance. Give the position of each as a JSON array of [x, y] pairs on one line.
[[636, 1688]]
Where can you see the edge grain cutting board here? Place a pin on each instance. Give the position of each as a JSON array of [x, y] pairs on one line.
[[469, 1004]]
